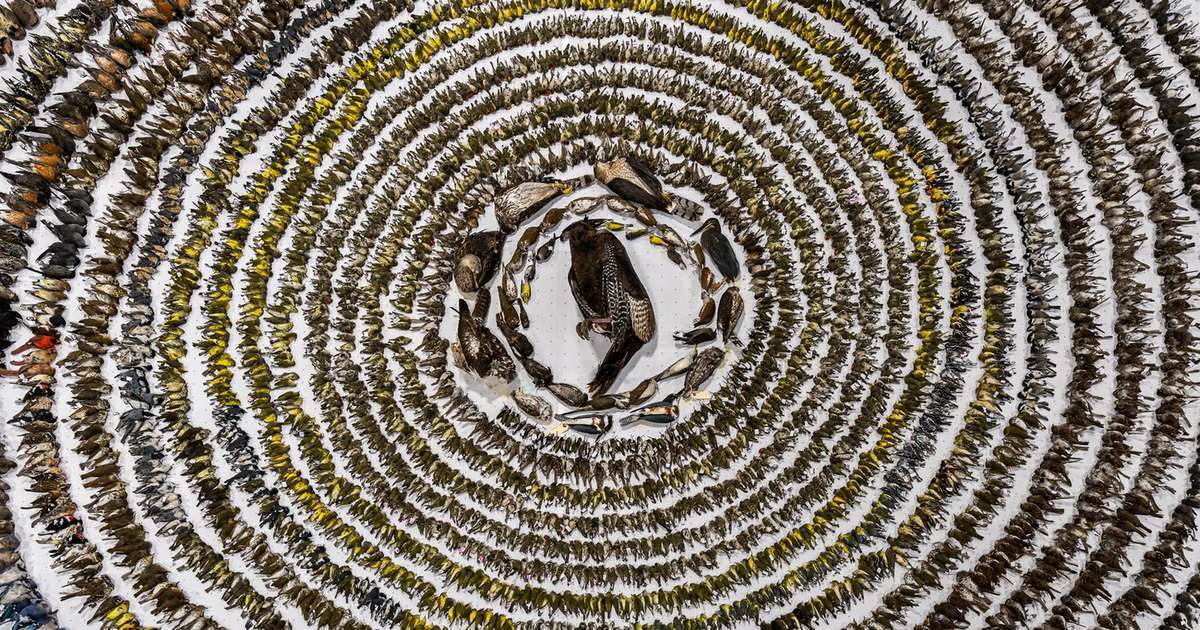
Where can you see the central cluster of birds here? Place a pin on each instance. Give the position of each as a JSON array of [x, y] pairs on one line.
[[611, 298]]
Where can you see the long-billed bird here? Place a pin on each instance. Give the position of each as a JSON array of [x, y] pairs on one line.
[[632, 181], [611, 297], [717, 246]]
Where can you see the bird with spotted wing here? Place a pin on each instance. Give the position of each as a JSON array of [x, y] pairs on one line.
[[610, 295]]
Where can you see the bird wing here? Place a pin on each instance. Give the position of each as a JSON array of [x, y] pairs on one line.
[[633, 192], [642, 313], [580, 299], [641, 310], [721, 253], [648, 178]]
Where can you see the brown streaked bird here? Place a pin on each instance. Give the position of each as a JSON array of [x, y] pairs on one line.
[[702, 369], [610, 295], [568, 394], [515, 205], [633, 181], [534, 406], [478, 259], [729, 313], [479, 350]]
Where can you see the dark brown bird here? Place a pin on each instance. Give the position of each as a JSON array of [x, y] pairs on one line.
[[632, 181], [729, 313], [718, 248], [478, 259], [479, 350], [696, 336], [611, 297]]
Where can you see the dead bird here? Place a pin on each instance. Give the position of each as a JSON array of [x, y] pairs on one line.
[[610, 295], [718, 248], [696, 336], [661, 413], [702, 369], [479, 350], [680, 366], [568, 394], [478, 259], [708, 308], [524, 200], [729, 313], [633, 181], [532, 405], [596, 424]]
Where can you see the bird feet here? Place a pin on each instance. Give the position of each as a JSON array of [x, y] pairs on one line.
[[599, 324]]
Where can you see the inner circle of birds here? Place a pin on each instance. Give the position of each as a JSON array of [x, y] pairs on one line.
[[611, 299]]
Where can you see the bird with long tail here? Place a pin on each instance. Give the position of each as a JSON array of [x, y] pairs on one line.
[[610, 295]]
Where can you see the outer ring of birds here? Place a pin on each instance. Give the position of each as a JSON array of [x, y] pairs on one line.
[[974, 280]]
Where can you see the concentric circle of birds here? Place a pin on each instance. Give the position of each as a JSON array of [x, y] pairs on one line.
[[276, 280], [610, 296]]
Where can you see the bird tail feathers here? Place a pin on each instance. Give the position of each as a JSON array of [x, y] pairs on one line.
[[618, 356]]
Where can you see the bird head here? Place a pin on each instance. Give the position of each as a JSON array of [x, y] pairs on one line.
[[580, 230], [711, 222], [466, 273], [601, 169]]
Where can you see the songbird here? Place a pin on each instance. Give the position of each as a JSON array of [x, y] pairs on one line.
[[609, 294], [718, 248], [660, 413], [595, 424], [702, 369], [478, 259], [632, 181], [568, 394], [479, 350], [534, 406], [524, 200], [729, 313], [708, 308], [696, 336]]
